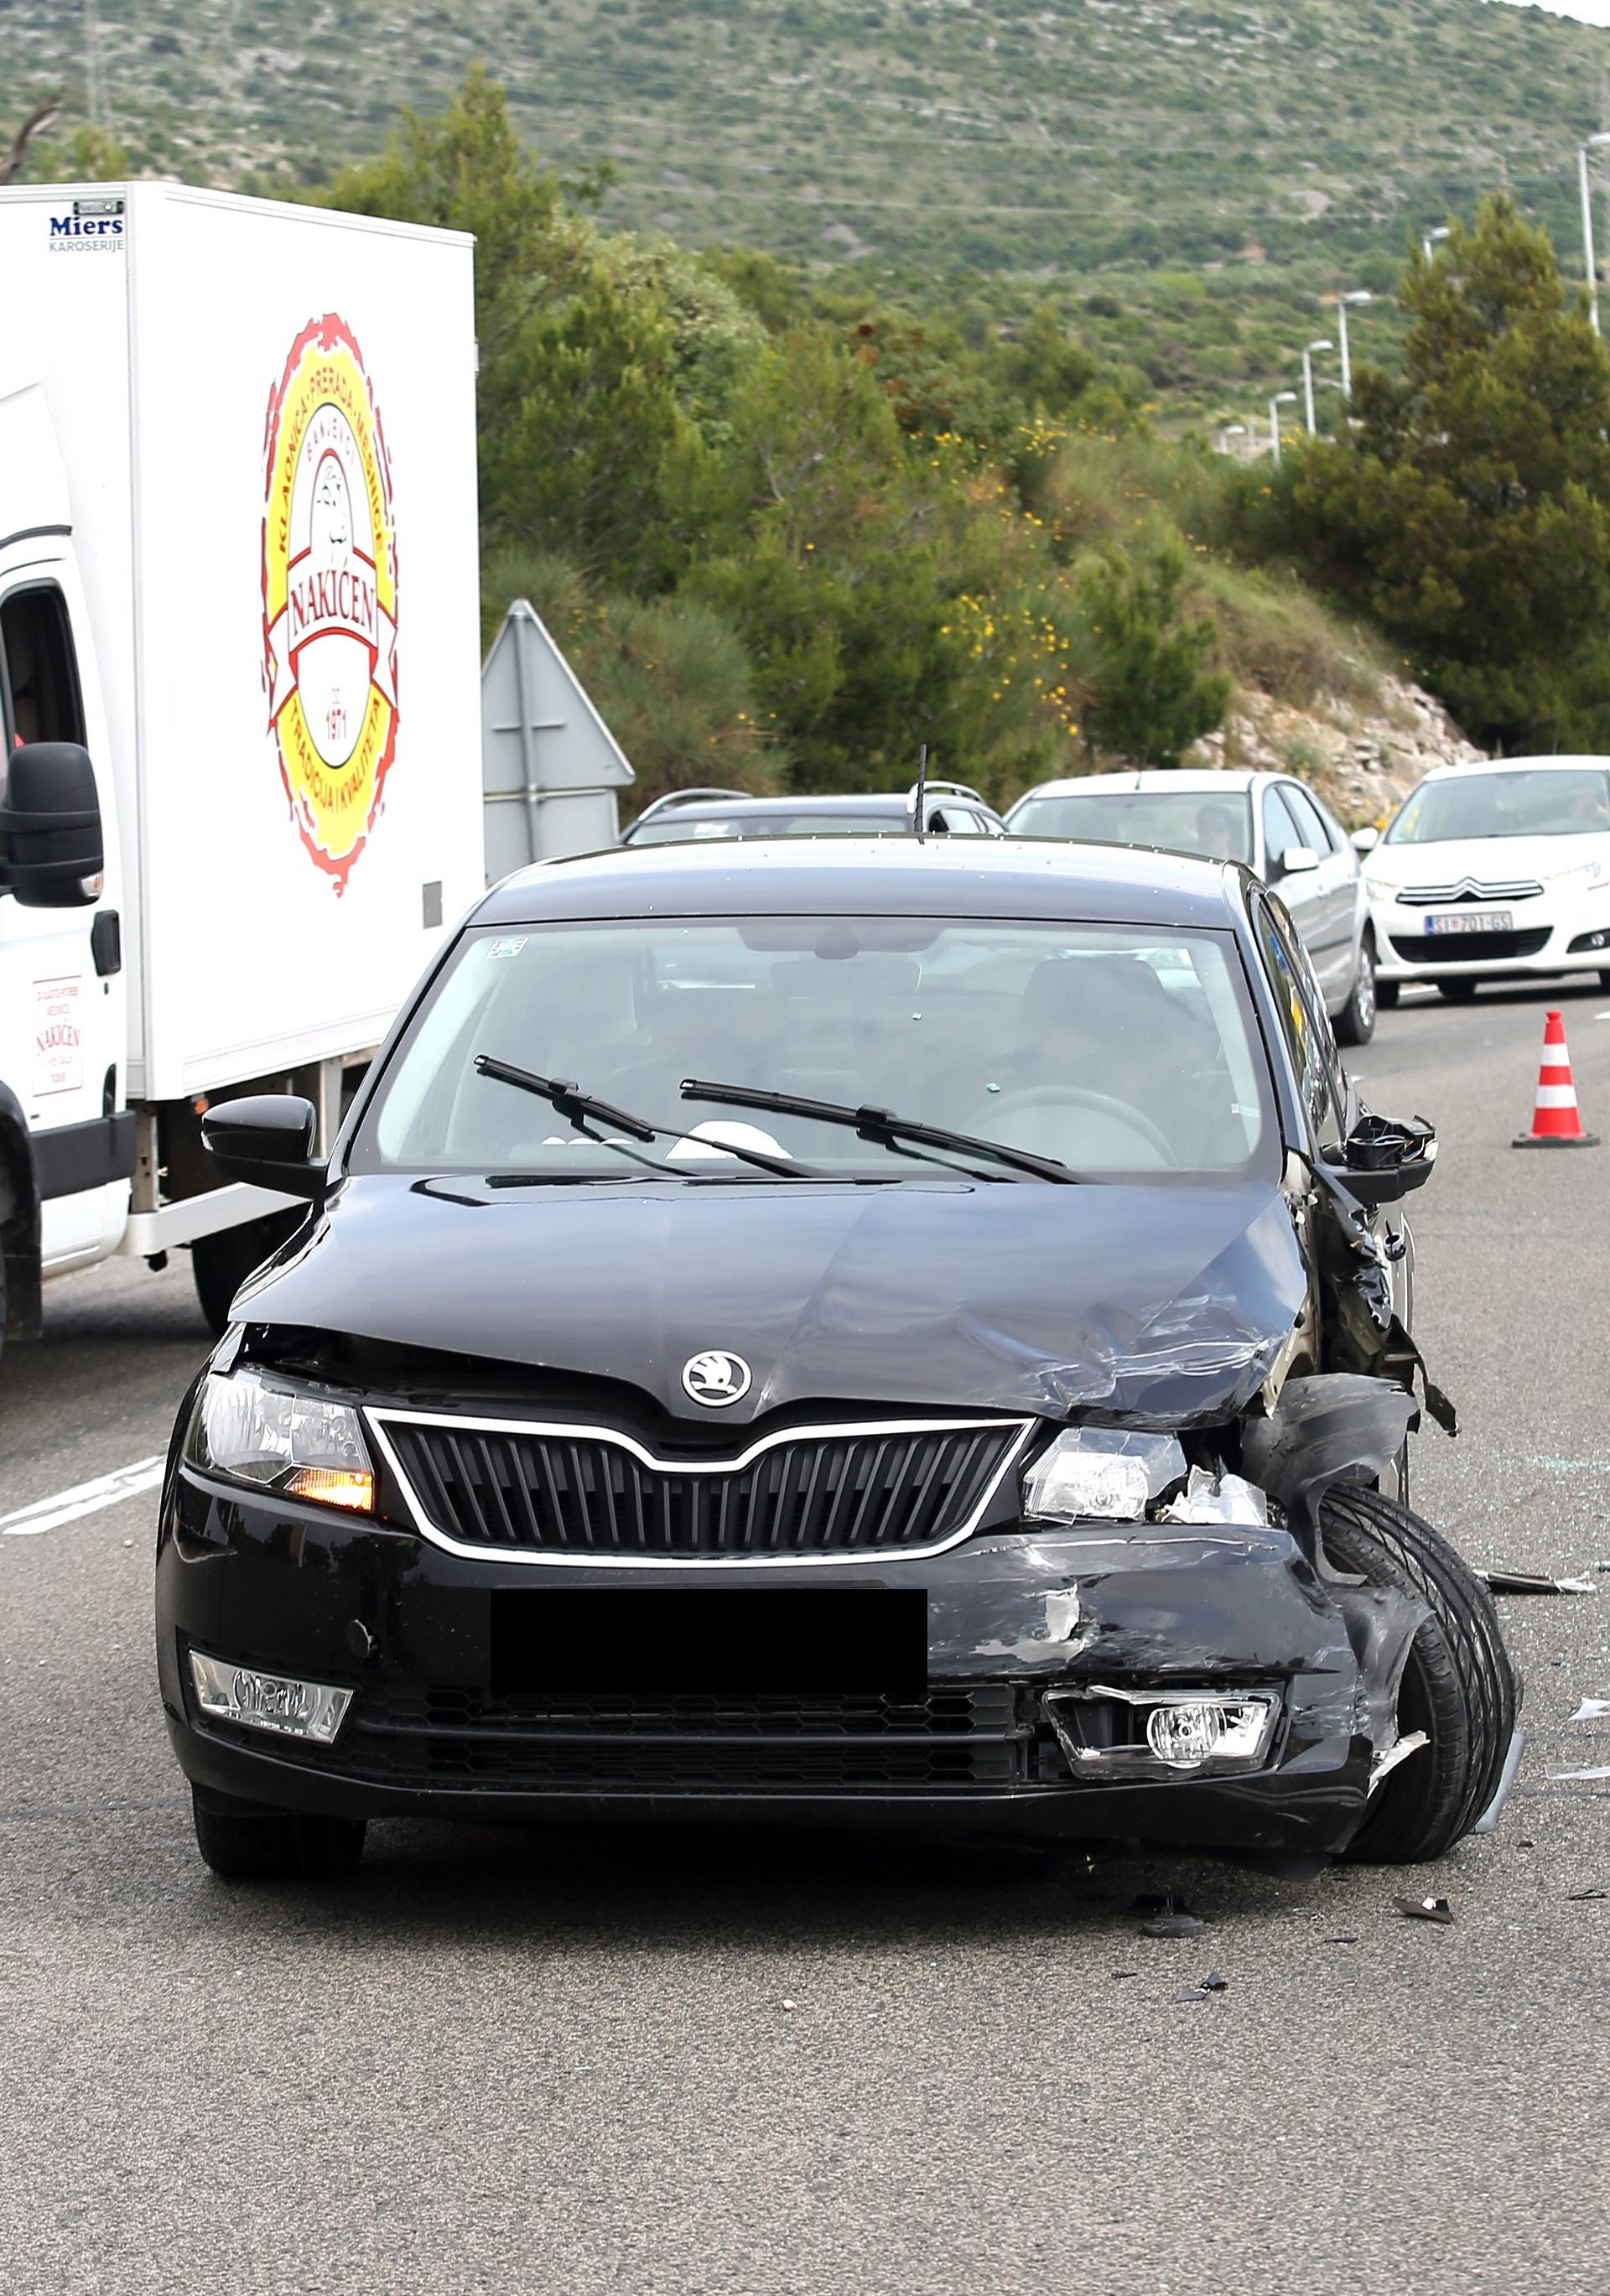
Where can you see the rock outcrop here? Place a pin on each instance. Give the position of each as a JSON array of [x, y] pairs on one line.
[[1363, 759]]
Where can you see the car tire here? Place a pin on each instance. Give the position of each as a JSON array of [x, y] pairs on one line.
[[1457, 992], [1386, 994], [1356, 1021], [220, 1264], [1458, 1686], [244, 1843]]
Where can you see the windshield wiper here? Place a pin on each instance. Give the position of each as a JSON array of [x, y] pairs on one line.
[[581, 1109], [879, 1124]]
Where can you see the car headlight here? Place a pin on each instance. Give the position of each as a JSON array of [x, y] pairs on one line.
[[281, 1439], [1109, 1474]]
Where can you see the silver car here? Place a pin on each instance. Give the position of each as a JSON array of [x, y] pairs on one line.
[[1283, 831]]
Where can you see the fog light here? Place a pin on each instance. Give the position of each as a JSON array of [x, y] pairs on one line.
[[1208, 1729], [269, 1701]]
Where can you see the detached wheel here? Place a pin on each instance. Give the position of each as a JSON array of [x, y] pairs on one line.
[[244, 1843], [1386, 995], [1356, 1021], [1459, 1685], [221, 1263], [1457, 992]]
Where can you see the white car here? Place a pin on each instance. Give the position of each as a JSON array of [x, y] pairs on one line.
[[1491, 871], [1280, 829]]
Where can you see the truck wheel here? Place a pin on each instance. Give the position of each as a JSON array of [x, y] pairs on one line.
[[1458, 1686], [221, 1263], [1457, 992], [1356, 1021], [244, 1843], [1386, 994]]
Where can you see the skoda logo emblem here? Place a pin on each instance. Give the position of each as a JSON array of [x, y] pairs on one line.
[[716, 1377]]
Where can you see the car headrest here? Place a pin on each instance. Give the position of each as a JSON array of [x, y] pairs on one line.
[[1113, 994]]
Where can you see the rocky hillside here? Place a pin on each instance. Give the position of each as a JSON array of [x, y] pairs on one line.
[[1363, 760], [1033, 134]]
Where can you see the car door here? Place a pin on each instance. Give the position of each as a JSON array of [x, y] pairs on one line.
[[1302, 889], [1335, 944], [62, 990]]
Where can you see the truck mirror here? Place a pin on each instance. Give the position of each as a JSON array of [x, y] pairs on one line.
[[267, 1139], [51, 851]]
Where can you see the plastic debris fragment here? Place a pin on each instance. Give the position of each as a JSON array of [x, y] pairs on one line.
[[1425, 1909], [1593, 1709], [1531, 1582], [1584, 1777]]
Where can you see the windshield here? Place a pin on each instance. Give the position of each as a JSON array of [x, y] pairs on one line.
[[672, 831], [1121, 1053], [1530, 802], [1177, 821]]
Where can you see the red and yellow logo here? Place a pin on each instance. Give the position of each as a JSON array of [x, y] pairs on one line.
[[330, 594]]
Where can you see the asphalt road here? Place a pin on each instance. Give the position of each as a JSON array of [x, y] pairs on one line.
[[649, 2063]]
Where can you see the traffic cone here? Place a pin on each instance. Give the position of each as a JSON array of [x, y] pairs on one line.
[[1557, 1121]]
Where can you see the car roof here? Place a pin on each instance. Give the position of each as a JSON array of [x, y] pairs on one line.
[[1021, 878], [872, 802], [1479, 766], [1226, 783]]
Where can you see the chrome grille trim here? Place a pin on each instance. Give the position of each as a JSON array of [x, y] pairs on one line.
[[381, 1419], [1431, 897]]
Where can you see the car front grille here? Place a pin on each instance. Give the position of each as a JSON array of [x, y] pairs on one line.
[[1467, 889], [988, 1735], [590, 1493], [1469, 947]]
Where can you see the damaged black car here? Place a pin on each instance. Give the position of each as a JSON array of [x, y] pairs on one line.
[[859, 1331]]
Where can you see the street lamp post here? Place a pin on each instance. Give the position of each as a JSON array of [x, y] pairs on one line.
[[1344, 303], [1281, 399], [1590, 262], [1230, 431], [1430, 241], [1323, 344]]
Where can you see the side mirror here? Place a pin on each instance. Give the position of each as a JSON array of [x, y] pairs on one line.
[[1366, 840], [52, 850], [1295, 861], [266, 1139], [1382, 1159]]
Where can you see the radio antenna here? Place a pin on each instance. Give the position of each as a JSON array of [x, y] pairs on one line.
[[920, 794]]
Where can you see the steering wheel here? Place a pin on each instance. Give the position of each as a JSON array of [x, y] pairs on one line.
[[1079, 1095]]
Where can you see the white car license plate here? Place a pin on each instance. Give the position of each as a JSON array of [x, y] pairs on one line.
[[1472, 920]]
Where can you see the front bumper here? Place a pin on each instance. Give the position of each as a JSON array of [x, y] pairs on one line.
[[1551, 934], [293, 1588]]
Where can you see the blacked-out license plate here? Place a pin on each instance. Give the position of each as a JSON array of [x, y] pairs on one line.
[[711, 1641]]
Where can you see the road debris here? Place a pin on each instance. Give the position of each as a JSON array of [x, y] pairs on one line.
[[1171, 1925], [1425, 1909], [1580, 1777], [1339, 1940], [1583, 1897], [1211, 1984], [1593, 1709], [1528, 1582]]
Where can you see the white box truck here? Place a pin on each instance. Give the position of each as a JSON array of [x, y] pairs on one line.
[[240, 782]]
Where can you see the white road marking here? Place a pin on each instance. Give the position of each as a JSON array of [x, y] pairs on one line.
[[84, 1499]]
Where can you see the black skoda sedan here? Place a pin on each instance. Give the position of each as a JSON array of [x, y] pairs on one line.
[[871, 1330]]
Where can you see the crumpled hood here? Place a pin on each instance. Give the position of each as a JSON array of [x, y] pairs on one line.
[[1160, 1304]]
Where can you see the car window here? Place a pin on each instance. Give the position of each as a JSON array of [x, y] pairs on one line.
[[1535, 801], [692, 829], [1126, 1054], [1281, 827], [1218, 825], [960, 820], [1303, 1021], [39, 698], [1308, 817]]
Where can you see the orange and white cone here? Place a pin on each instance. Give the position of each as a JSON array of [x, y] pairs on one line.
[[1557, 1121]]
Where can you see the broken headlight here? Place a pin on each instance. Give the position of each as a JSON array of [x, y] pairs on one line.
[[1110, 1474], [282, 1438]]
